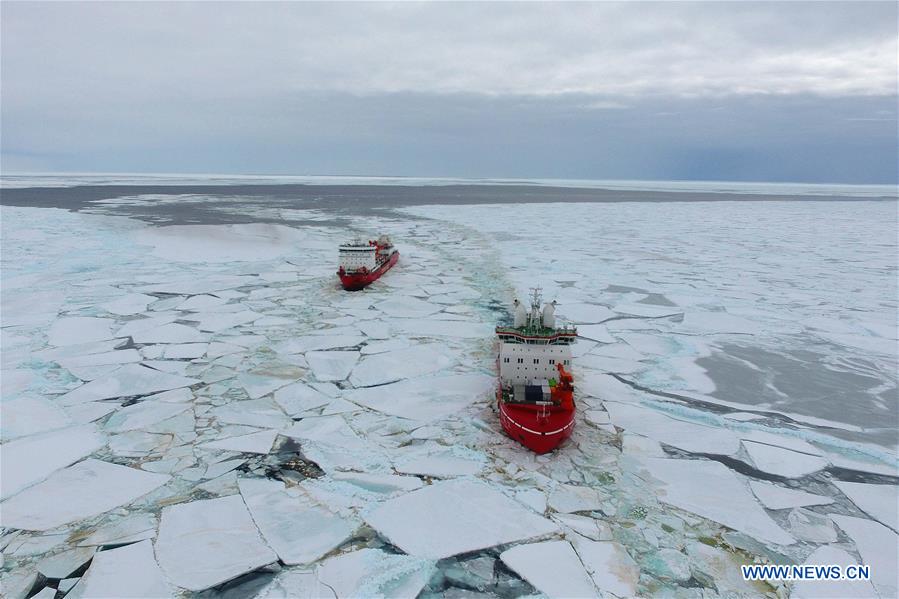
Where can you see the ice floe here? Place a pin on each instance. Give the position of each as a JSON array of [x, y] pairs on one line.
[[204, 543], [129, 305], [380, 483], [834, 589], [142, 415], [452, 517], [695, 438], [260, 442], [553, 567], [881, 502], [299, 529], [424, 399], [297, 398], [442, 463], [128, 529], [257, 385], [878, 546], [89, 487], [74, 330], [393, 366], [128, 381], [373, 573], [169, 333], [332, 365], [129, 571], [28, 415], [406, 307], [775, 497], [782, 462], [66, 563], [612, 569], [262, 413], [31, 459], [712, 491], [334, 445], [807, 525], [570, 498]]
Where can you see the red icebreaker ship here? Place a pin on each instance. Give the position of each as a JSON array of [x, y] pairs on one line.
[[536, 391], [362, 263]]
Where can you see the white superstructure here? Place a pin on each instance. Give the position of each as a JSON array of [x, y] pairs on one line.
[[356, 255], [531, 348]]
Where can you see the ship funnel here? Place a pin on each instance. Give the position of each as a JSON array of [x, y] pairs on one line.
[[521, 315], [549, 315]]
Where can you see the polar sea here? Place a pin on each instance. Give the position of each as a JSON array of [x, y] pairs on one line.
[[193, 407]]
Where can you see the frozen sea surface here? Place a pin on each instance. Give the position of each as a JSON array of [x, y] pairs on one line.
[[203, 406]]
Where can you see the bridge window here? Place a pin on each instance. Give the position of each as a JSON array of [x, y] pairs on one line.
[[536, 360], [506, 360], [552, 361], [521, 360]]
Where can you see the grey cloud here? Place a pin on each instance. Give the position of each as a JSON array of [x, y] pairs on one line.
[[719, 90]]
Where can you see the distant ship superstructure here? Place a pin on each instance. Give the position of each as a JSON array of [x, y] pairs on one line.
[[363, 262], [536, 391]]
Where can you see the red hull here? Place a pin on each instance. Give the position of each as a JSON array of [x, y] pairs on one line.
[[540, 429], [357, 281]]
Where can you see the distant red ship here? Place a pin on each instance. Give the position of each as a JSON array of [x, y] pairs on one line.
[[535, 394], [362, 263]]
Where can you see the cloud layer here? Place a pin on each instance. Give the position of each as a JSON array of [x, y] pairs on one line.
[[109, 80]]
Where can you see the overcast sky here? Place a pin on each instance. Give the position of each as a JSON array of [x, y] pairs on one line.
[[790, 91]]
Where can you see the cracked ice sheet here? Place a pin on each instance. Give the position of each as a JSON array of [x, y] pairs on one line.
[[79, 329], [878, 546], [695, 438], [881, 502], [299, 529], [129, 571], [775, 497], [711, 490], [425, 399], [204, 543], [552, 567], [783, 462], [90, 488], [127, 381], [334, 445], [28, 415], [332, 365], [372, 573], [393, 366], [453, 517], [31, 459]]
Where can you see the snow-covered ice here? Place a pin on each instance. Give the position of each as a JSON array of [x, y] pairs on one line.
[[32, 459], [374, 573], [425, 399], [392, 366], [452, 517], [710, 490], [331, 365], [217, 357], [128, 571], [881, 502], [204, 543], [552, 567], [775, 497], [879, 549], [127, 381], [782, 462], [89, 487], [299, 529]]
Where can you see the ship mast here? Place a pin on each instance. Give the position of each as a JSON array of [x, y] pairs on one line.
[[534, 320]]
